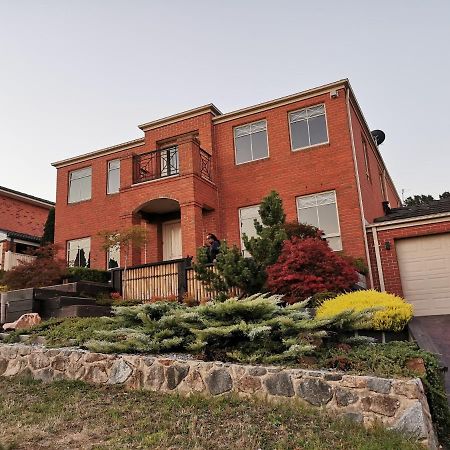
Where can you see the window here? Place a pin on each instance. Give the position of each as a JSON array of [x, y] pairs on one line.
[[113, 257], [320, 210], [366, 158], [80, 182], [247, 218], [113, 176], [308, 127], [250, 142], [79, 252], [169, 162]]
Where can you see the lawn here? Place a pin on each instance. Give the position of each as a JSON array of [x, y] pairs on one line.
[[74, 415]]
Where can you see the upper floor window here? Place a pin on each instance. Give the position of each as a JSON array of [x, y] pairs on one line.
[[250, 142], [247, 218], [308, 127], [79, 252], [80, 182], [113, 176], [320, 210]]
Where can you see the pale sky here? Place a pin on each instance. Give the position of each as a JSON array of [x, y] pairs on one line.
[[80, 75]]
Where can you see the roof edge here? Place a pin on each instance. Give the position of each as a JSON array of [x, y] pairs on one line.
[[280, 101], [387, 223], [27, 197], [98, 153], [209, 108]]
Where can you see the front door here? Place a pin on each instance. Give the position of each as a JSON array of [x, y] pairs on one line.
[[172, 240]]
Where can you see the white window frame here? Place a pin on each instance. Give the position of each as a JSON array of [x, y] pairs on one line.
[[307, 122], [71, 263], [330, 235], [108, 252], [234, 141], [243, 250], [109, 174], [71, 175]]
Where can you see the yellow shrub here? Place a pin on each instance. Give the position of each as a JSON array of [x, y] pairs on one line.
[[394, 315]]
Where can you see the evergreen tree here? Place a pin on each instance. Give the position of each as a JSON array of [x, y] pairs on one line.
[[49, 228]]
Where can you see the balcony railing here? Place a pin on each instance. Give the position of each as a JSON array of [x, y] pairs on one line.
[[156, 164], [165, 162]]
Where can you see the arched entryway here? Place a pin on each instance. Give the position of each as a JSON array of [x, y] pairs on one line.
[[162, 218]]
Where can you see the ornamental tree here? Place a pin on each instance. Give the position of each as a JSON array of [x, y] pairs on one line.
[[306, 267]]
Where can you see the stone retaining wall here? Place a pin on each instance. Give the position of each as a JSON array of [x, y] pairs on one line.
[[398, 404]]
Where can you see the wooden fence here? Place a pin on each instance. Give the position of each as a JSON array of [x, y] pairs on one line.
[[161, 280]]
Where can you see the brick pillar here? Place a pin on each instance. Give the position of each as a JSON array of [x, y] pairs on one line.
[[189, 155], [191, 228]]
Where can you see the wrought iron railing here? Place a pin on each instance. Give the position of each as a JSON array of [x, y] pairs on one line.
[[156, 164], [205, 165]]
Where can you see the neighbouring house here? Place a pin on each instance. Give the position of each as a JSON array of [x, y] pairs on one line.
[[22, 219], [203, 171], [410, 255]]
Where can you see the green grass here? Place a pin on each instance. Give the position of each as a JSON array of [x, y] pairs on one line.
[[73, 415]]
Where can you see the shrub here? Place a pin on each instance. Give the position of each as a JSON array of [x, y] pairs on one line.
[[306, 267], [46, 269], [301, 230], [390, 311], [86, 274]]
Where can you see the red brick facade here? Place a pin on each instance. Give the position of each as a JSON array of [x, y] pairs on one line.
[[21, 213], [213, 206]]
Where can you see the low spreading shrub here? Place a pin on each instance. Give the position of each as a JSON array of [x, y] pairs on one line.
[[389, 312], [86, 274], [306, 267]]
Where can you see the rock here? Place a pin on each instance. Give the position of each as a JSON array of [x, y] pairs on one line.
[[46, 375], [315, 391], [279, 384], [153, 377], [194, 381], [175, 374], [332, 377], [14, 367], [3, 365], [412, 422], [353, 381], [23, 322], [381, 404], [38, 360], [60, 363], [249, 384], [380, 385], [94, 357], [219, 381], [416, 365], [166, 362], [257, 371], [120, 372], [410, 389], [345, 397], [96, 374]]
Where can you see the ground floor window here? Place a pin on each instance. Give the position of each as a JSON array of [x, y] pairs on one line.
[[79, 252], [113, 257], [247, 218], [320, 210]]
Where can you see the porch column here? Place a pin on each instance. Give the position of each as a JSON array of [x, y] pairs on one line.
[[191, 228]]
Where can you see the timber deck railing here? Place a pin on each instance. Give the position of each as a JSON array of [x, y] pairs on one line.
[[161, 280]]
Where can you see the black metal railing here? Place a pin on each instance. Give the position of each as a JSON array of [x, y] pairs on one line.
[[205, 165], [156, 164]]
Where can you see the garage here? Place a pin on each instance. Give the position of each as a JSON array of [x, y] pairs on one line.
[[424, 264]]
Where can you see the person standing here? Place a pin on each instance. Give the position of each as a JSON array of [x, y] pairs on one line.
[[212, 247]]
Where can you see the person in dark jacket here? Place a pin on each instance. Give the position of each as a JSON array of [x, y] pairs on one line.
[[212, 246]]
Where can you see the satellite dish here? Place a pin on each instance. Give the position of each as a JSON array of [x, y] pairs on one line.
[[378, 136]]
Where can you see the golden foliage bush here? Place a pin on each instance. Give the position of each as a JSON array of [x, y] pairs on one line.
[[390, 312]]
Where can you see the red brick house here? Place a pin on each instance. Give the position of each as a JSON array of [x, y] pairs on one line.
[[22, 219], [410, 255], [205, 171]]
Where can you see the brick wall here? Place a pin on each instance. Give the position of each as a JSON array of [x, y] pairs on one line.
[[391, 270], [22, 216]]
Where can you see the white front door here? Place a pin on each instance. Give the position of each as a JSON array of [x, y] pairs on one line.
[[171, 240]]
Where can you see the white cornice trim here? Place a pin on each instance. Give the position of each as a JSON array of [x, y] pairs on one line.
[[25, 198], [314, 92], [410, 221], [210, 108], [97, 153]]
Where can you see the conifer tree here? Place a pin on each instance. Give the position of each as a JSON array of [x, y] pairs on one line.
[[49, 228]]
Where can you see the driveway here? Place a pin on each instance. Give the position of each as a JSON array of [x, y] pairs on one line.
[[432, 333]]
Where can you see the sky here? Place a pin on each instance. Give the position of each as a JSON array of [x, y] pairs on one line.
[[76, 76]]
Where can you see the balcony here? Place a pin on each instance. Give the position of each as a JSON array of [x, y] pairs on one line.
[[163, 163], [12, 259]]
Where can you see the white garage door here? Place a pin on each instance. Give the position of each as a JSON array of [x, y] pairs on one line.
[[425, 273]]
